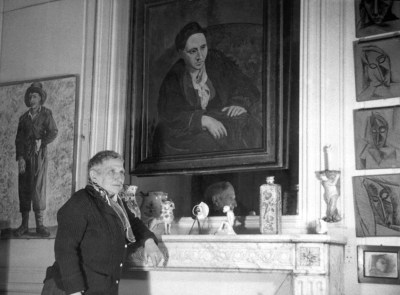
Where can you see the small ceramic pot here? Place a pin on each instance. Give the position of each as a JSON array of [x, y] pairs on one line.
[[151, 205]]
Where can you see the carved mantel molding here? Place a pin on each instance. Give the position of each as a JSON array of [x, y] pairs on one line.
[[315, 261]]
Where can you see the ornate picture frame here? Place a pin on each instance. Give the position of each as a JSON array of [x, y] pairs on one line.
[[378, 264], [250, 34]]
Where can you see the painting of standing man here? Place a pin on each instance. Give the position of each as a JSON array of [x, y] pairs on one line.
[[36, 129]]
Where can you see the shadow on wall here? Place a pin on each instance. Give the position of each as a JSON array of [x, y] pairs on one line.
[[135, 283], [202, 282], [4, 265]]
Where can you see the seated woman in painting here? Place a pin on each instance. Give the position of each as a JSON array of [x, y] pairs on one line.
[[206, 103]]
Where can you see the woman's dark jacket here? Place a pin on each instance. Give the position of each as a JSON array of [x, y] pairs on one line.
[[90, 243]]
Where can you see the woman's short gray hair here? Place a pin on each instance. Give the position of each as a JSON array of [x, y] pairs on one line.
[[102, 156]]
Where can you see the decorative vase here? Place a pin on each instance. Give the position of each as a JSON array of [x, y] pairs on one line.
[[151, 205], [270, 207]]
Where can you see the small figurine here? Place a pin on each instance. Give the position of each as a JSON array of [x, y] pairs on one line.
[[229, 215], [166, 216], [329, 180], [226, 227]]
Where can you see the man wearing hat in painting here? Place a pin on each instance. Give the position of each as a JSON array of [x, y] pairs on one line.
[[36, 129]]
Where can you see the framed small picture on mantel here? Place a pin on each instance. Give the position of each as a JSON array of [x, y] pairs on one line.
[[378, 264]]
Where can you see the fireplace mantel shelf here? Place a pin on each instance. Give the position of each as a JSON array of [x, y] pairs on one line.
[[314, 261], [284, 238]]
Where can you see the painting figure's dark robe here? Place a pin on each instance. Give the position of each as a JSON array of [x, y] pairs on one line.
[[32, 183], [179, 110]]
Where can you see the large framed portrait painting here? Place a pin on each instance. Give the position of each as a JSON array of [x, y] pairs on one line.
[[206, 93]]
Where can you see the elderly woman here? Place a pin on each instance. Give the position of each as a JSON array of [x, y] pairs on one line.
[[36, 129], [94, 228]]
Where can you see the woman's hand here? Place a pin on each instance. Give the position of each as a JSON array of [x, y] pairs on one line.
[[215, 127], [152, 251], [234, 111]]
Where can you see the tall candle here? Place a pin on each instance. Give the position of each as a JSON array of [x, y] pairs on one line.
[[328, 154]]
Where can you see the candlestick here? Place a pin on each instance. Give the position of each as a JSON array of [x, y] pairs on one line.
[[328, 152]]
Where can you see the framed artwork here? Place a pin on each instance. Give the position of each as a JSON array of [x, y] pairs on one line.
[[376, 203], [376, 17], [378, 264], [377, 138], [377, 68], [43, 134], [206, 87]]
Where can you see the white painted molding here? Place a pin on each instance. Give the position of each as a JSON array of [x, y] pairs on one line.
[[321, 95], [101, 76], [101, 123], [85, 91], [110, 76], [309, 188], [117, 99]]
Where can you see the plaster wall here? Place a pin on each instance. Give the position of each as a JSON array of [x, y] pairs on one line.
[[348, 100]]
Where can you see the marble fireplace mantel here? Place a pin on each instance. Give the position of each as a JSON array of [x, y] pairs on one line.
[[314, 261]]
